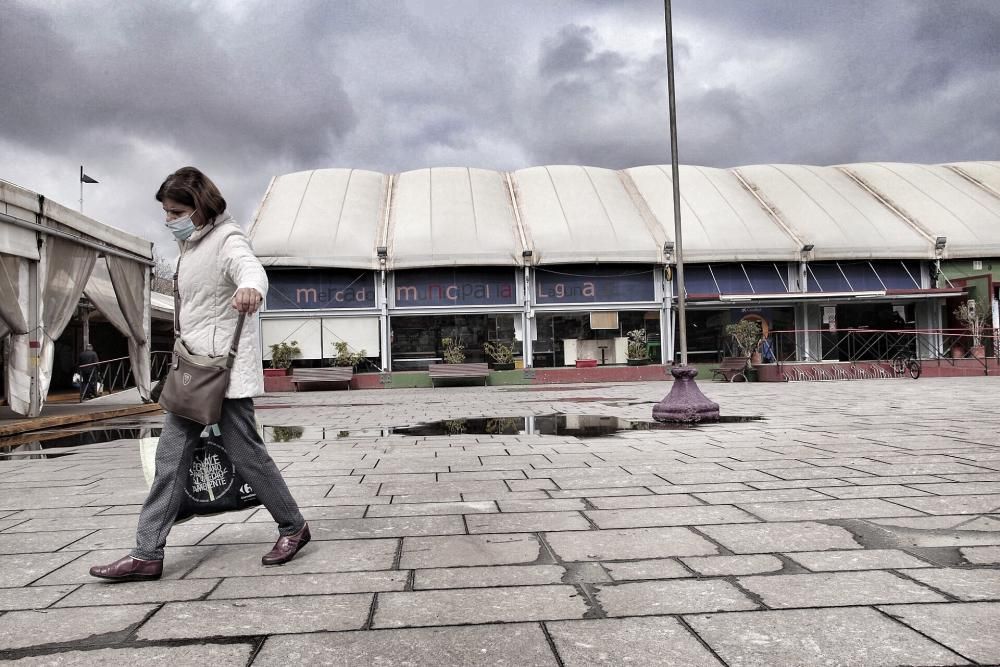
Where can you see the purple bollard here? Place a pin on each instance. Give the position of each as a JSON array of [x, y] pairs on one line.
[[685, 403]]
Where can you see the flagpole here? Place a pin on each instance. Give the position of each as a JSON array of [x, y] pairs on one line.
[[81, 188], [685, 403], [675, 182]]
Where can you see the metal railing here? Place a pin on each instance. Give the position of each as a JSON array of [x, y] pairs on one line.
[[874, 345], [115, 375]]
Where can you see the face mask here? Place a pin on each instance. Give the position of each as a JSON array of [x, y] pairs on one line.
[[182, 227]]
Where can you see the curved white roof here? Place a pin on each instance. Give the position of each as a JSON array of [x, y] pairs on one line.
[[574, 214], [722, 220], [324, 217], [452, 216], [583, 214], [940, 202], [824, 207]]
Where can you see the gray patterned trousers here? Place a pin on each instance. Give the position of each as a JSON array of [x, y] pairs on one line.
[[173, 458]]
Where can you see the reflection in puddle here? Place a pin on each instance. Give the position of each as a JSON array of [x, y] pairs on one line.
[[581, 426], [46, 444]]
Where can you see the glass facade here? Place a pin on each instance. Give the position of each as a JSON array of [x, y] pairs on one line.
[[564, 337], [863, 276], [736, 278], [708, 342], [415, 340]]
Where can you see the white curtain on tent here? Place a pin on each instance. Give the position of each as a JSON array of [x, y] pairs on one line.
[[11, 314], [68, 266], [13, 321], [103, 291]]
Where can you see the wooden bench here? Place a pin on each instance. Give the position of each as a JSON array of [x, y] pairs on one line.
[[452, 371], [731, 368], [334, 374]]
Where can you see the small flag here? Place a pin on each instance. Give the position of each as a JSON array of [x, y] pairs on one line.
[[84, 178]]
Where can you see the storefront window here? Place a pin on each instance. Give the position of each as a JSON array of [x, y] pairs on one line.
[[416, 339], [888, 323], [565, 337], [708, 342]]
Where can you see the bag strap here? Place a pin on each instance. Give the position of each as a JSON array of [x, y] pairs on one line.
[[234, 345]]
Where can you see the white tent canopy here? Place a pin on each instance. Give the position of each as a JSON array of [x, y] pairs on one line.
[[940, 202], [573, 214], [325, 217], [722, 219], [444, 217], [822, 206], [41, 289]]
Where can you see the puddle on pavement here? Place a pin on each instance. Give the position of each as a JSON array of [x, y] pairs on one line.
[[47, 443], [581, 426]]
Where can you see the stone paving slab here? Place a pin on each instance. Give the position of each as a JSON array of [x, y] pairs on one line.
[[417, 509], [869, 559], [25, 543], [628, 544], [36, 597], [526, 522], [646, 598], [500, 575], [329, 583], [343, 529], [315, 557], [981, 555], [971, 504], [836, 589], [772, 537], [720, 566], [672, 516], [239, 618], [629, 641], [969, 629], [818, 637], [469, 550], [107, 593], [964, 584], [638, 502], [660, 568], [510, 645], [23, 569], [21, 629], [816, 510], [200, 654], [479, 605]]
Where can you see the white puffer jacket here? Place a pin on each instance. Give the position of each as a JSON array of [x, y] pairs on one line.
[[216, 261]]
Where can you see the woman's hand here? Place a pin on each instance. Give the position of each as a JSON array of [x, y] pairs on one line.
[[246, 300]]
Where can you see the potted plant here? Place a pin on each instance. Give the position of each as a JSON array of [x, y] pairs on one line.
[[637, 350], [281, 357], [973, 314], [747, 336], [343, 357], [501, 354], [454, 351]]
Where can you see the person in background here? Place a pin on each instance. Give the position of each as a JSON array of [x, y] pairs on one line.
[[88, 373], [219, 277]]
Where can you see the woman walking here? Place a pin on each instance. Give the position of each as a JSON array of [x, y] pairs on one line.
[[219, 277]]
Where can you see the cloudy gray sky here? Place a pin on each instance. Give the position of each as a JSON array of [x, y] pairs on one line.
[[247, 89]]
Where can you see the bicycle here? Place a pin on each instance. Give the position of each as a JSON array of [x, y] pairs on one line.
[[907, 364]]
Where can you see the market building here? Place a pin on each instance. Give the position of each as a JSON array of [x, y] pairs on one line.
[[564, 261]]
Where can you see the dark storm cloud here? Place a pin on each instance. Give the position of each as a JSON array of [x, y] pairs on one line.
[[169, 72], [250, 89]]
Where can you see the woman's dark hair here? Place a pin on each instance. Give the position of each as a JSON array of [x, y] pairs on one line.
[[192, 188]]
